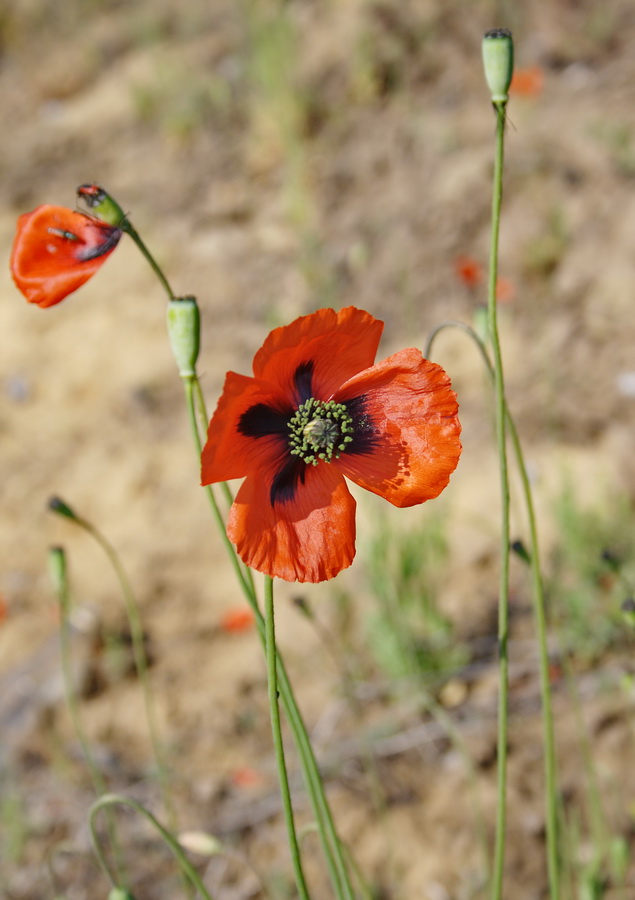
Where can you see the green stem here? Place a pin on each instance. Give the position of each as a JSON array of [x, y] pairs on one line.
[[130, 230], [141, 663], [99, 783], [331, 843], [500, 421], [538, 593], [109, 800], [278, 743], [204, 419]]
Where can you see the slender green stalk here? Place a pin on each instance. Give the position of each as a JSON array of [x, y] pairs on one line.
[[200, 399], [501, 442], [129, 229], [540, 615], [278, 743], [332, 846], [140, 658], [97, 778], [186, 867], [538, 593]]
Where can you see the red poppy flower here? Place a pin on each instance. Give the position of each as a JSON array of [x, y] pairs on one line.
[[315, 410], [56, 250]]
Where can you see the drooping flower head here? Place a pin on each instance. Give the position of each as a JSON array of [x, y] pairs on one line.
[[56, 250], [316, 410]]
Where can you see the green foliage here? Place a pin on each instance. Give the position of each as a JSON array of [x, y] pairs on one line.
[[592, 574], [409, 635], [13, 827], [180, 98]]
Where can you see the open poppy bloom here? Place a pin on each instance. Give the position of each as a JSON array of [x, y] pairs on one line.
[[316, 410], [56, 250]]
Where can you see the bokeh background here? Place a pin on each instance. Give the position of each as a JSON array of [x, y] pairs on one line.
[[279, 157]]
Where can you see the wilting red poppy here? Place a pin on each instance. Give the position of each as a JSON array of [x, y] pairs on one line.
[[56, 250], [315, 410]]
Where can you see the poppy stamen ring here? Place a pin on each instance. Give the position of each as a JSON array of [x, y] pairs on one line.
[[320, 430]]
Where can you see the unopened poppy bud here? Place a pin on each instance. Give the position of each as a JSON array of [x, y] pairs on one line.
[[101, 204], [184, 330], [58, 506], [498, 61]]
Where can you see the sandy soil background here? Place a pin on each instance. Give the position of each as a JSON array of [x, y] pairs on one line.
[[279, 158]]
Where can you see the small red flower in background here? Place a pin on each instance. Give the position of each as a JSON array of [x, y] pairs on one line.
[[317, 409], [528, 82], [468, 271], [505, 290], [238, 619], [56, 250], [246, 777]]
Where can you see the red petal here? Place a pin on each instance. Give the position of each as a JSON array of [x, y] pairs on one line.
[[340, 344], [56, 250], [228, 453], [308, 538], [409, 401]]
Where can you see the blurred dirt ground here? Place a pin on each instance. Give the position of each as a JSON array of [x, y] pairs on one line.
[[279, 157]]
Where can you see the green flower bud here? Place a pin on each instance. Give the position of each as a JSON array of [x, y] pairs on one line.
[[184, 330], [101, 204], [118, 893], [57, 505], [498, 61]]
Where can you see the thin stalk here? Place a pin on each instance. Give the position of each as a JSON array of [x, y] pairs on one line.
[[278, 743], [501, 442], [331, 844], [538, 594], [141, 665], [186, 867], [204, 419], [130, 230], [97, 778], [244, 576]]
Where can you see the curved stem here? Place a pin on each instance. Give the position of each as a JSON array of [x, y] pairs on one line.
[[501, 442], [130, 230], [141, 664], [116, 799], [278, 743], [97, 778]]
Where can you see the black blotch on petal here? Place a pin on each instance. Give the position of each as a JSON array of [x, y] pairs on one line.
[[261, 420], [111, 239], [286, 480], [303, 380], [366, 436]]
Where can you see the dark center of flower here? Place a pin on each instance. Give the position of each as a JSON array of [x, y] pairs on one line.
[[320, 430]]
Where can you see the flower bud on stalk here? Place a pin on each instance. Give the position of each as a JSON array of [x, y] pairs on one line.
[[498, 61], [184, 330], [101, 204], [57, 505]]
